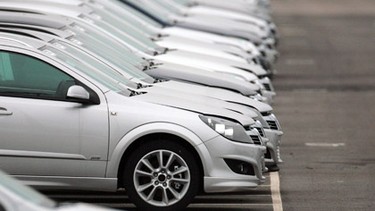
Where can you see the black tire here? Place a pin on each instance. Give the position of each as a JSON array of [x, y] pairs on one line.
[[148, 151]]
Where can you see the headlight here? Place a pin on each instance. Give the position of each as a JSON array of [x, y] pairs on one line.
[[258, 97], [228, 129], [259, 127]]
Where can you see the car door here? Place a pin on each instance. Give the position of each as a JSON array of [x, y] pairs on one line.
[[42, 133]]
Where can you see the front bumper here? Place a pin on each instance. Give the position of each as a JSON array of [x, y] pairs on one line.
[[273, 146], [219, 177]]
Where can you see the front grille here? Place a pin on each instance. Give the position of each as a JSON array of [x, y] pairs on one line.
[[267, 87], [268, 154], [256, 140], [260, 131], [263, 53], [272, 124]]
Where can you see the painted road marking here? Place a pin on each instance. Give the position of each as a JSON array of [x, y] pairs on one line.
[[325, 144], [275, 191]]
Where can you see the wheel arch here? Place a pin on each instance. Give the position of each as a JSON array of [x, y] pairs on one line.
[[144, 133]]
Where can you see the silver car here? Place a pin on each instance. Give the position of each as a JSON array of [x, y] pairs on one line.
[[64, 125], [14, 196], [274, 136]]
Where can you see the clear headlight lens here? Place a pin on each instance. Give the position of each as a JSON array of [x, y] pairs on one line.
[[228, 129]]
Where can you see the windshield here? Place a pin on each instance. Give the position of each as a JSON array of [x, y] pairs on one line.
[[131, 12], [88, 66], [118, 56], [130, 27], [24, 192], [89, 34], [174, 8], [156, 12], [117, 33]]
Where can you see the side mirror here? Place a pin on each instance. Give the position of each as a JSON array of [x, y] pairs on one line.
[[78, 93], [81, 95]]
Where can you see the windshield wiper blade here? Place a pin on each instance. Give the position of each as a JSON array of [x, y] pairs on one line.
[[140, 86], [135, 93]]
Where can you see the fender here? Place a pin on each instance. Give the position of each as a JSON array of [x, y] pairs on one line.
[[143, 130]]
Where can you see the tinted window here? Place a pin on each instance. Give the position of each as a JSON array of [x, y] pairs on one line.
[[25, 76]]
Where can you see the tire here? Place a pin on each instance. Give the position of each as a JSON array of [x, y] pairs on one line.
[[171, 186]]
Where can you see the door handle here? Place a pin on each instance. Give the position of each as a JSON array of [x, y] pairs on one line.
[[5, 112]]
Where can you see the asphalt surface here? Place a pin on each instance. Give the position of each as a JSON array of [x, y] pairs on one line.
[[325, 103]]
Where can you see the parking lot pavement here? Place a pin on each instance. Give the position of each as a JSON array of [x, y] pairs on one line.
[[325, 103], [259, 199]]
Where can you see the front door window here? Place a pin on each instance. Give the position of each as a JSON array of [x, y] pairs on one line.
[[25, 76]]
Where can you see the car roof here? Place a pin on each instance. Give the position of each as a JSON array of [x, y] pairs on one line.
[[20, 41], [36, 6], [51, 21]]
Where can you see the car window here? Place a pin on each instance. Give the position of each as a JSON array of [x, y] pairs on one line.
[[26, 76], [90, 66]]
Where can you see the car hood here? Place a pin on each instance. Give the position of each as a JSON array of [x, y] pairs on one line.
[[196, 98], [221, 94], [220, 25], [220, 64], [153, 96], [229, 52], [199, 76], [201, 9]]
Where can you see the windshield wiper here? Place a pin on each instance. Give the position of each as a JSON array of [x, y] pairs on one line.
[[135, 93], [140, 86]]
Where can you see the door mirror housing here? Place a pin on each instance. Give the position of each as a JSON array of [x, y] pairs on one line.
[[80, 94]]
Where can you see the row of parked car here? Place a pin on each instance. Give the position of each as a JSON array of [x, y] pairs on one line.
[[165, 98]]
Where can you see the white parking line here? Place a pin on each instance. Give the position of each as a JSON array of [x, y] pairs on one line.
[[275, 190], [325, 144]]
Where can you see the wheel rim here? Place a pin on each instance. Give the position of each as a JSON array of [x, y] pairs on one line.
[[162, 178]]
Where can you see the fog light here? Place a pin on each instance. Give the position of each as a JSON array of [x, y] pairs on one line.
[[240, 167]]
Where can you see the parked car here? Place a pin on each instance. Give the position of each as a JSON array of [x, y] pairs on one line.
[[65, 124], [274, 156], [78, 111], [14, 196], [101, 54]]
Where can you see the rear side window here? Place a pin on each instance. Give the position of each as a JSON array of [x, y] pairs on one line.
[[26, 76]]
